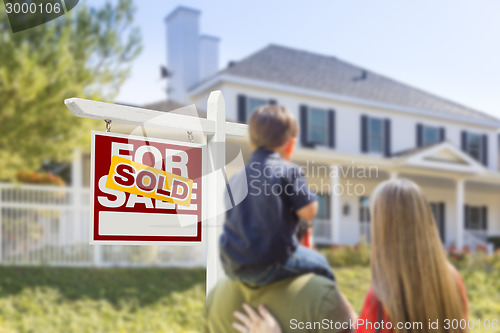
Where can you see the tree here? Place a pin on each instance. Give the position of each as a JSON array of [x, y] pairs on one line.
[[86, 53]]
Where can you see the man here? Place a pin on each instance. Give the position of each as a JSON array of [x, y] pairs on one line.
[[305, 303]]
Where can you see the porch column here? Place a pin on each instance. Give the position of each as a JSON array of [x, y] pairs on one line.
[[335, 193], [76, 170], [459, 202]]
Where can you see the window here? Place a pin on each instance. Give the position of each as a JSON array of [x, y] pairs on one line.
[[318, 126], [323, 207], [364, 209], [474, 218], [254, 103], [364, 218], [427, 135], [430, 135], [438, 211], [246, 105], [435, 210], [473, 145], [375, 135], [322, 225], [476, 145]]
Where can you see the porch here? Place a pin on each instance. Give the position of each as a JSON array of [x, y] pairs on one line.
[[464, 197]]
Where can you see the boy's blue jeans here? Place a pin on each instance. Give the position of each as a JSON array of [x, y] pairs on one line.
[[302, 261]]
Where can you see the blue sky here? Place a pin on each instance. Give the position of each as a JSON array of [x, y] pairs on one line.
[[448, 47]]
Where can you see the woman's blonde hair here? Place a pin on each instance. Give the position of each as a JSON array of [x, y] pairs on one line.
[[411, 275]]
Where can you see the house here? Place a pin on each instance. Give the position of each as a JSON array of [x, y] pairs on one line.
[[358, 128]]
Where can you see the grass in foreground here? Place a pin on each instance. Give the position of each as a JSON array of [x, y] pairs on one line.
[[77, 300], [101, 300]]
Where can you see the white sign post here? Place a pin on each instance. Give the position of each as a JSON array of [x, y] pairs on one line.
[[215, 128]]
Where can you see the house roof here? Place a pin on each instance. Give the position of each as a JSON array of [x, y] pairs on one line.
[[284, 65]]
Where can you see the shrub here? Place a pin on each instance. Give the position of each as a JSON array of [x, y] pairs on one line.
[[481, 248], [45, 178], [359, 255], [479, 259], [347, 256]]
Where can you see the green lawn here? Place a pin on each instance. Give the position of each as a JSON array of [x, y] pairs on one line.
[[101, 300], [157, 300]]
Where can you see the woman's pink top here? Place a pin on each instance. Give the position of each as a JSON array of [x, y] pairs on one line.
[[370, 312]]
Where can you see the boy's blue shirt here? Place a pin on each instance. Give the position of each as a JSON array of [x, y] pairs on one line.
[[260, 230]]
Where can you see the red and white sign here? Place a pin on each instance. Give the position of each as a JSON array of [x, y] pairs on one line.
[[123, 217]]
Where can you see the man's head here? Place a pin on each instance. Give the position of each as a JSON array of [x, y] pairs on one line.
[[273, 127]]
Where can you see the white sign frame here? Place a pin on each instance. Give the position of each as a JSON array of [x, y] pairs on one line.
[[215, 128]]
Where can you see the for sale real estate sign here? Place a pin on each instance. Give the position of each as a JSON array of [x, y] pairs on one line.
[[145, 190]]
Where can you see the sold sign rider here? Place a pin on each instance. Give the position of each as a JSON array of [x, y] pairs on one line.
[[132, 177]]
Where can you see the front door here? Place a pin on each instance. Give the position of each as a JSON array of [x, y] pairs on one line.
[[438, 210]]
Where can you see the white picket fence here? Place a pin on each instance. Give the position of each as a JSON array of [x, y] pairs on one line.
[[49, 225]]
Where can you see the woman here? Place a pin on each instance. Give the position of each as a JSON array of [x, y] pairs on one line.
[[413, 284]]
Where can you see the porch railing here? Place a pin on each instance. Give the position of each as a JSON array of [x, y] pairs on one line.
[[49, 225], [475, 239]]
